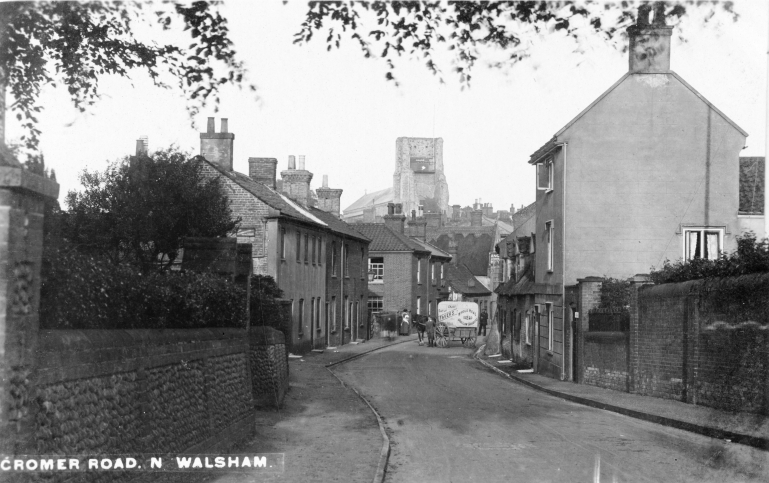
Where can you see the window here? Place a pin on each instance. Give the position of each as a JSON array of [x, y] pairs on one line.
[[333, 314], [703, 242], [526, 328], [441, 271], [432, 272], [346, 261], [419, 305], [346, 312], [549, 244], [301, 315], [545, 175], [333, 259], [419, 270], [375, 304], [312, 254], [429, 309], [362, 263], [357, 313], [306, 248], [312, 312], [549, 316], [282, 243], [321, 254], [376, 265], [317, 313], [298, 246]]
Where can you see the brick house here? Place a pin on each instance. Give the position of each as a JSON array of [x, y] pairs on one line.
[[290, 240], [649, 171], [405, 272]]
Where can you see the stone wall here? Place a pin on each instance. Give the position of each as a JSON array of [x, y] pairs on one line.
[[141, 391], [269, 362]]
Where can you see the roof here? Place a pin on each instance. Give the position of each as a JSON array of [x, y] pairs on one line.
[[553, 142], [752, 188], [463, 281], [523, 215], [375, 198], [337, 225], [434, 251], [385, 239], [269, 196]]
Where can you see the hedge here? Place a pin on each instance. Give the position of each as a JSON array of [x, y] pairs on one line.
[[84, 292]]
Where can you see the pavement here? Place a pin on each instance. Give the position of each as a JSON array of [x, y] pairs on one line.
[[326, 431], [735, 427]]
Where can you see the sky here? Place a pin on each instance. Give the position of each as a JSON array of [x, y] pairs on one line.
[[337, 109]]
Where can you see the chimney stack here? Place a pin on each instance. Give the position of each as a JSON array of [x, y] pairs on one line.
[[650, 41], [453, 252], [262, 170], [216, 147], [394, 218], [296, 182], [328, 199], [476, 218]]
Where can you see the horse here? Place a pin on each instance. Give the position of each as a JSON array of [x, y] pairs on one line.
[[420, 322]]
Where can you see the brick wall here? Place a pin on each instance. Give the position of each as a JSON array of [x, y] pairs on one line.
[[606, 360], [269, 366], [702, 342], [142, 391]]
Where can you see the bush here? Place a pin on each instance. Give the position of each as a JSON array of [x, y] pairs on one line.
[[751, 256], [267, 310], [615, 294], [85, 292]]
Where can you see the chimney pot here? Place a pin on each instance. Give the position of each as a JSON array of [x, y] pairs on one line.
[[325, 181], [224, 124], [301, 161], [390, 208], [291, 161], [210, 128]]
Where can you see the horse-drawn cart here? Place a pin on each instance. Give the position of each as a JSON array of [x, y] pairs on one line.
[[456, 321]]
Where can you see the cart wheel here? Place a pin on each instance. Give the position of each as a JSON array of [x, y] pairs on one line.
[[441, 334], [471, 341]]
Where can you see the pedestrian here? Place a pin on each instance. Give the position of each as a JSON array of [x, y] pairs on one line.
[[484, 321], [421, 323], [405, 327], [430, 329]]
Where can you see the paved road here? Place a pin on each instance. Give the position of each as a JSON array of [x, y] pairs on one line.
[[452, 420]]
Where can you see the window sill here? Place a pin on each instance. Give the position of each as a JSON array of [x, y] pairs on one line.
[[549, 353], [319, 329], [347, 329], [333, 332]]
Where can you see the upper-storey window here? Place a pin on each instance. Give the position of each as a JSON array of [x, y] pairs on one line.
[[549, 244], [376, 266], [298, 246], [545, 175], [282, 243], [306, 248], [419, 270], [703, 242], [333, 259]]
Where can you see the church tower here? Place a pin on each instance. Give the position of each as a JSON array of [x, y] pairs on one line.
[[419, 181]]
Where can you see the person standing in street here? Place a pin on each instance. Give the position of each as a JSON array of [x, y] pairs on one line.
[[430, 328], [484, 320]]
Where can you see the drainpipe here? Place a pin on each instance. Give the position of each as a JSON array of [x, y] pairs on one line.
[[341, 285], [563, 274]]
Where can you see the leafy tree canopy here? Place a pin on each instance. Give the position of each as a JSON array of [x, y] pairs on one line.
[[140, 210], [500, 32], [76, 43]]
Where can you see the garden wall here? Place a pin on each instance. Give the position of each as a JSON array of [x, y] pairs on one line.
[[269, 363], [142, 391], [605, 358]]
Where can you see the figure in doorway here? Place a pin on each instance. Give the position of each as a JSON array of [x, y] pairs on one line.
[[484, 320]]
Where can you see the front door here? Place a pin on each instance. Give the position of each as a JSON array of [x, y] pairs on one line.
[[328, 317]]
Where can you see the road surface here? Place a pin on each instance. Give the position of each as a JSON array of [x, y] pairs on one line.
[[450, 419]]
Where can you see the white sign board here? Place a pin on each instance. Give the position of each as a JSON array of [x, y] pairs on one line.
[[458, 314]]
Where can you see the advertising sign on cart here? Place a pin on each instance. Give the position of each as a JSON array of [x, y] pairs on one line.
[[458, 314]]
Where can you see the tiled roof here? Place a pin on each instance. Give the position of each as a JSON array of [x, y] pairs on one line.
[[267, 195], [375, 198], [523, 286], [463, 281], [522, 215], [384, 239], [336, 224], [752, 185], [543, 150]]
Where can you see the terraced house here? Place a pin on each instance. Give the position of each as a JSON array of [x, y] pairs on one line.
[[304, 248]]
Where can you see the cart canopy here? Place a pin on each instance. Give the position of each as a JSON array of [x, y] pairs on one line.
[[458, 314]]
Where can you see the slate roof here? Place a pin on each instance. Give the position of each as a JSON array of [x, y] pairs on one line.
[[337, 225], [521, 216], [434, 251], [523, 286], [385, 239], [267, 195], [463, 281], [376, 198], [752, 189]]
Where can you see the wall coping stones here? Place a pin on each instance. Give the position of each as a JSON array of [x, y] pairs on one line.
[[266, 336]]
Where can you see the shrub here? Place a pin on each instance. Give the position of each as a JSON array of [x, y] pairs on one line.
[[86, 292], [615, 294], [751, 256], [267, 310]]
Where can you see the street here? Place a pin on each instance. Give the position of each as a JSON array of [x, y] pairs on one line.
[[451, 419]]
